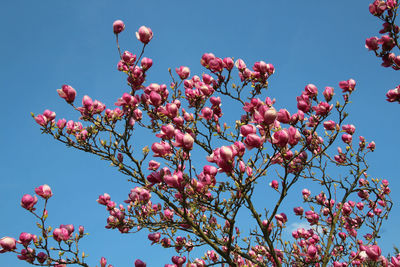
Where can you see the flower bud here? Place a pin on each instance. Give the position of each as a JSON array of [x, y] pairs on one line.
[[8, 243], [347, 138], [372, 43], [274, 184], [67, 92], [28, 202], [312, 251], [25, 238], [41, 257], [144, 34], [103, 262], [146, 63], [183, 72], [118, 26], [81, 230], [228, 63], [328, 93], [139, 263], [44, 191], [298, 211], [330, 125]]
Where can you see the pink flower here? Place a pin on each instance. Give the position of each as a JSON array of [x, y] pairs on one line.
[[347, 138], [28, 202], [168, 214], [274, 184], [61, 234], [167, 132], [328, 93], [371, 146], [298, 211], [312, 251], [281, 218], [118, 26], [61, 123], [377, 8], [312, 217], [262, 67], [206, 58], [67, 92], [207, 113], [228, 63], [329, 125], [44, 191], [322, 109], [395, 262], [306, 193], [179, 261], [183, 72], [283, 116], [240, 64], [303, 103], [294, 136], [8, 244], [247, 129], [144, 34], [25, 238], [103, 262], [311, 90], [175, 180], [347, 86], [87, 102], [226, 153], [41, 257], [70, 228], [139, 263], [280, 138], [81, 230], [120, 157], [373, 252], [50, 115], [349, 128], [393, 95], [269, 114], [372, 43], [128, 58], [146, 63], [153, 165], [161, 149], [154, 237], [253, 141], [387, 42], [104, 199], [41, 120], [183, 140]]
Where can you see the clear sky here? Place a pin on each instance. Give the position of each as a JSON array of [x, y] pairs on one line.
[[47, 43]]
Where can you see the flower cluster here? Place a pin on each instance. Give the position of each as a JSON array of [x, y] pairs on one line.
[[384, 45]]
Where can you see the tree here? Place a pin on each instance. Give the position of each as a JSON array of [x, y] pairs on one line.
[[204, 200]]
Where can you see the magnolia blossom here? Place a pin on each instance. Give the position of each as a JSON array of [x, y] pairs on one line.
[[67, 92], [44, 191], [118, 26], [144, 34], [8, 243]]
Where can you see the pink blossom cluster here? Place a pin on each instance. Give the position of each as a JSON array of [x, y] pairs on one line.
[[197, 203], [35, 247], [383, 46]]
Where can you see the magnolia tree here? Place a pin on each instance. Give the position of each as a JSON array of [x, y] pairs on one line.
[[190, 187], [384, 46]]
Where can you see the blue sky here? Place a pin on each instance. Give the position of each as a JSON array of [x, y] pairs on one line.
[[48, 43]]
